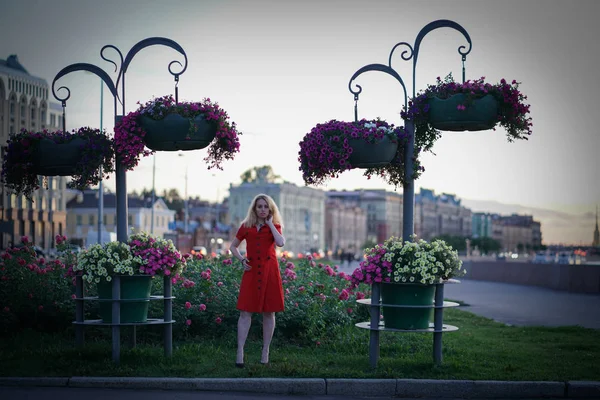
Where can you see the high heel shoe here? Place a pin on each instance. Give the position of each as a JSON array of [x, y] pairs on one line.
[[239, 365]]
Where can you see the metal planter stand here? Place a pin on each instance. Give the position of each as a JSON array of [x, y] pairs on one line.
[[121, 184], [411, 53], [167, 320], [375, 325]]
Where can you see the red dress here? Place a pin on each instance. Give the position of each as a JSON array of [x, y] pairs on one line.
[[261, 289]]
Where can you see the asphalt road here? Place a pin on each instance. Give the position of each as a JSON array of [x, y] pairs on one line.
[[521, 305]]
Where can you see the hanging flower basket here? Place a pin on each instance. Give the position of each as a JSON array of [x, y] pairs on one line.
[[78, 154], [372, 155], [175, 132], [162, 124], [336, 146], [473, 105], [58, 159], [451, 115]]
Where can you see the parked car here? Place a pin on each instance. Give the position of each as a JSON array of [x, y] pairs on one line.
[[199, 250], [565, 258], [38, 251], [540, 258]]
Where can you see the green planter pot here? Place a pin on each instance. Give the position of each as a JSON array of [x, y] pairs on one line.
[[172, 133], [58, 159], [481, 115], [407, 294], [372, 155], [132, 287]]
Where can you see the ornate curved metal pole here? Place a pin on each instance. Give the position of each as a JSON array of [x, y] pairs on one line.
[[409, 186], [82, 67], [441, 23], [142, 45], [121, 188], [375, 67]]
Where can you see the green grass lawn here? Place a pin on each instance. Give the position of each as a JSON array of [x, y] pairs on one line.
[[482, 350]]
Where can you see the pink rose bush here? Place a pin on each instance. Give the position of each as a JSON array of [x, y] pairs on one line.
[[316, 296], [35, 293]]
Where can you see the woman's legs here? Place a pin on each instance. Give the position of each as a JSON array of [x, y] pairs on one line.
[[242, 333], [268, 329]]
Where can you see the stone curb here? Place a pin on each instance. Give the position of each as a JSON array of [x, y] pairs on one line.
[[25, 382], [583, 390], [411, 388], [254, 385]]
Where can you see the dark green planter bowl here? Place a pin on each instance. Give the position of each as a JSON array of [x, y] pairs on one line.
[[132, 287], [372, 155], [172, 133], [481, 115], [407, 294], [57, 159]]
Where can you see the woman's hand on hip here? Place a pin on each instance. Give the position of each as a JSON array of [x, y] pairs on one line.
[[245, 264]]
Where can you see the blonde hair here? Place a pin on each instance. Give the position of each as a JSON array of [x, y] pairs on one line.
[[252, 219]]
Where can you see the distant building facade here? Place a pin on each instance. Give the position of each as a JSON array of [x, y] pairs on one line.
[[24, 104], [345, 227], [82, 215], [302, 210], [520, 233], [383, 211], [442, 214]]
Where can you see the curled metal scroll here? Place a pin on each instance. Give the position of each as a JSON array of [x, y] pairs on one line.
[[151, 42], [82, 67], [110, 46], [376, 67], [441, 23], [403, 55]]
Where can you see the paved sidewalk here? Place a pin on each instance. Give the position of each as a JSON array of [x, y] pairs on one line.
[[355, 388]]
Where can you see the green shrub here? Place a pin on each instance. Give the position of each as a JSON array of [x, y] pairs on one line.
[[34, 293]]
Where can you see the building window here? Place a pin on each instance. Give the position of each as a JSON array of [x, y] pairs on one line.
[[130, 220], [92, 220], [79, 220], [12, 108], [52, 120]]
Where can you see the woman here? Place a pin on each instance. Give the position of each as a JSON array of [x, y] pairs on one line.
[[261, 289]]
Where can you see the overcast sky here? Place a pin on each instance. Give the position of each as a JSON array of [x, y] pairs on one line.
[[280, 67]]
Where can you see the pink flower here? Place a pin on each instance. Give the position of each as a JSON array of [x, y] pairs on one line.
[[202, 307], [218, 320], [188, 305], [40, 308], [219, 283], [6, 309], [188, 322]]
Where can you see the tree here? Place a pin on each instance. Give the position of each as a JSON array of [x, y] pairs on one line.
[[486, 244], [458, 243], [263, 174]]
